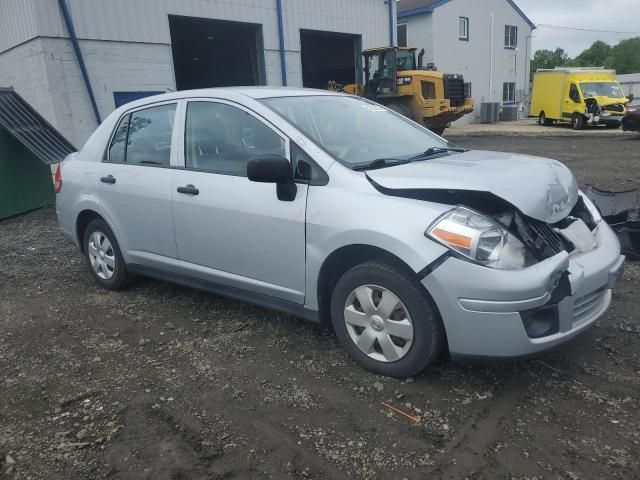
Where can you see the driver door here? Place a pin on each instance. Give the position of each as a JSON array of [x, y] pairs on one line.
[[229, 230]]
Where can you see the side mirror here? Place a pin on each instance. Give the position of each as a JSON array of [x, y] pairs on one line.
[[273, 169]]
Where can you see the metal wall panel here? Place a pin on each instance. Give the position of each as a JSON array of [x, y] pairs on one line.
[[17, 23]]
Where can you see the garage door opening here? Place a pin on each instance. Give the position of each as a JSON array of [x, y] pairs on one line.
[[216, 53], [329, 56]]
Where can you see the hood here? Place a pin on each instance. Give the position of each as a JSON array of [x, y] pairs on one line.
[[606, 101], [540, 188]]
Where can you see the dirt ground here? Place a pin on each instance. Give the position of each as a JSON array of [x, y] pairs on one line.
[[164, 382]]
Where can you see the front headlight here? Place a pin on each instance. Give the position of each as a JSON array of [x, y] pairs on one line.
[[478, 238], [403, 81], [593, 210]]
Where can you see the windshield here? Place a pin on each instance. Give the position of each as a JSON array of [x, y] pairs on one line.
[[601, 89], [405, 60], [353, 130]]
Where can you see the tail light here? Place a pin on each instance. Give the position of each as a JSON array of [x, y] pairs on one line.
[[57, 180]]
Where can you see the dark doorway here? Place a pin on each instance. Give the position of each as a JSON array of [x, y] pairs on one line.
[[329, 56], [215, 53]]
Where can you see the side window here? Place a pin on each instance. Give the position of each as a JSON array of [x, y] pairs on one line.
[[573, 93], [305, 169], [221, 138], [149, 139], [117, 148]]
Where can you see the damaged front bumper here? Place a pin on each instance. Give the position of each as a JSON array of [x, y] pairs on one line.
[[509, 313]]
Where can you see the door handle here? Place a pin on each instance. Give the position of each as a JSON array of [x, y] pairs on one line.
[[189, 190], [108, 179]]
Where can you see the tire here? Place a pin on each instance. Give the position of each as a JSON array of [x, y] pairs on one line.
[[543, 120], [437, 130], [111, 271], [402, 109], [577, 121], [414, 312]]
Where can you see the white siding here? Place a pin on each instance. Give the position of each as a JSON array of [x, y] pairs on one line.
[[17, 23]]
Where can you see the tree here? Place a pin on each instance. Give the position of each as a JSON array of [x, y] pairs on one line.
[[597, 55], [625, 56], [549, 59]]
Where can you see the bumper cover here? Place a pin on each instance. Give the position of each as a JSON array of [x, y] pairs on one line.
[[481, 307]]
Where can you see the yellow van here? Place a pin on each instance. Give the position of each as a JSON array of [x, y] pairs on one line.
[[582, 96]]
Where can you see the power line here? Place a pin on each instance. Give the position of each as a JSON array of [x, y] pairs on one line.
[[560, 27]]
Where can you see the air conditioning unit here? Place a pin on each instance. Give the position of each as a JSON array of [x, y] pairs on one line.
[[489, 112]]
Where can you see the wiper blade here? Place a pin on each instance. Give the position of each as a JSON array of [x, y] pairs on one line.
[[430, 152], [380, 163]]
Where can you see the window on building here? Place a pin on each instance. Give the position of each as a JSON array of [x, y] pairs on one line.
[[467, 90], [509, 92], [149, 138], [510, 36], [221, 138], [402, 35], [463, 28]]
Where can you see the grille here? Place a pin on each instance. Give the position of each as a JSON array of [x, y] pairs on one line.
[[614, 108], [585, 307], [548, 236], [428, 90], [454, 89]]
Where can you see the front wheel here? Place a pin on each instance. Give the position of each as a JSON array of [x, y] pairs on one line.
[[384, 320], [577, 121]]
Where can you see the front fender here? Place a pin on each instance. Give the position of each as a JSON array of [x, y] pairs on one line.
[[337, 218]]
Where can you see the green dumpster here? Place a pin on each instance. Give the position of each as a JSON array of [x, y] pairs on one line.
[[25, 181]]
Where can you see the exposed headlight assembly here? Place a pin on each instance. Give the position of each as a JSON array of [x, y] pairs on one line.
[[478, 238]]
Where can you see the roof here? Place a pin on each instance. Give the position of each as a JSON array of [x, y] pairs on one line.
[[384, 49], [410, 8], [29, 128], [575, 70], [228, 93]]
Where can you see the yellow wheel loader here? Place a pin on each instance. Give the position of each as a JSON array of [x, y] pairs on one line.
[[395, 80]]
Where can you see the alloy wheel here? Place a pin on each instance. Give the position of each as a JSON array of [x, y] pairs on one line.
[[101, 255], [378, 323]]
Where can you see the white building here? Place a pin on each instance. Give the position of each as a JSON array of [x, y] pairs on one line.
[[133, 48], [630, 84], [488, 42]]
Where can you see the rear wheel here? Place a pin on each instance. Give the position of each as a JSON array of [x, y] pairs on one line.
[[103, 256], [385, 321], [543, 120], [577, 121]]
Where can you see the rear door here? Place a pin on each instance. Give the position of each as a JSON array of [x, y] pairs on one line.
[[134, 185], [230, 230]]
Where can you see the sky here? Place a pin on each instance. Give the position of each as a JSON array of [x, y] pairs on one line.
[[613, 15]]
